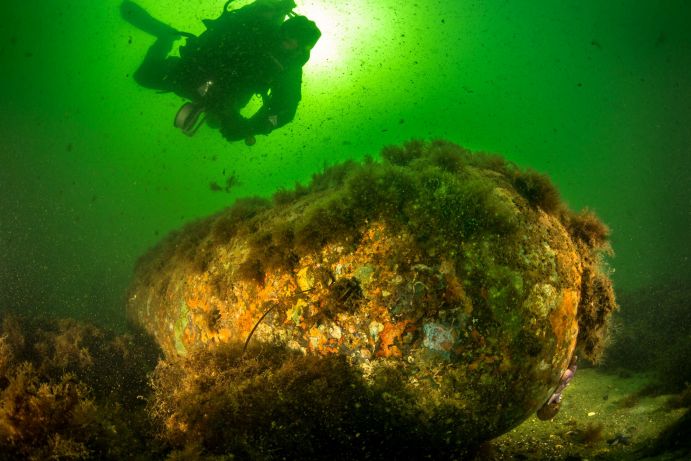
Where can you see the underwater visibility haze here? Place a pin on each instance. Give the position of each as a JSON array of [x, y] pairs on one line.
[[596, 95]]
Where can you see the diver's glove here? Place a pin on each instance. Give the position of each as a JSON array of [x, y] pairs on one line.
[[263, 123]]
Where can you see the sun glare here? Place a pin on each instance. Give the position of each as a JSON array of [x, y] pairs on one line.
[[343, 26], [327, 48]]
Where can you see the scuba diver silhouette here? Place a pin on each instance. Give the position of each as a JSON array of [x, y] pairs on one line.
[[258, 49]]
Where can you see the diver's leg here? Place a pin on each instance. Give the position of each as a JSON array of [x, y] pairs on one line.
[[142, 20], [156, 69], [157, 66], [234, 127]]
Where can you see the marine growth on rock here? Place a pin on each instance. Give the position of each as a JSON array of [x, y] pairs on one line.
[[420, 303]]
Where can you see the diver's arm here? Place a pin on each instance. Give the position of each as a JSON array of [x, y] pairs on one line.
[[235, 127], [281, 105]]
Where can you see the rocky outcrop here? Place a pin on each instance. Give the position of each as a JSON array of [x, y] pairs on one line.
[[457, 276]]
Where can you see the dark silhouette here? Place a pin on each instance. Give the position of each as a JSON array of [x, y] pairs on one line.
[[258, 49]]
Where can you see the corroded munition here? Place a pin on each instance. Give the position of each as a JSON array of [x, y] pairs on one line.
[[462, 273]]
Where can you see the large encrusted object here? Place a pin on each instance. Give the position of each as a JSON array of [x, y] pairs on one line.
[[458, 273]]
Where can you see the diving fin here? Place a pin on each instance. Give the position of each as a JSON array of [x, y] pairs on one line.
[[142, 20]]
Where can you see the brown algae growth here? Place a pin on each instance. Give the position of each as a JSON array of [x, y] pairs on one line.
[[70, 390]]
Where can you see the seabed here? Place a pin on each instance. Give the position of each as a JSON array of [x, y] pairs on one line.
[[603, 416]]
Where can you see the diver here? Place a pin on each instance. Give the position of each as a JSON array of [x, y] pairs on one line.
[[258, 49]]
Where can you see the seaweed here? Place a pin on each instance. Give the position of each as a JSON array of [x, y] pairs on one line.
[[326, 222], [436, 189], [275, 248], [403, 155], [69, 390], [538, 189], [41, 420], [587, 227], [251, 269], [273, 403], [287, 196], [594, 313]]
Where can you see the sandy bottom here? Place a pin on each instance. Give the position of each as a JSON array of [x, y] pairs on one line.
[[603, 416]]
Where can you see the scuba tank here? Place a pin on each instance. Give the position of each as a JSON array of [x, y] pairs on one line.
[[234, 22]]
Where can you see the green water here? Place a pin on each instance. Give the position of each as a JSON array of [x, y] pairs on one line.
[[595, 93]]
